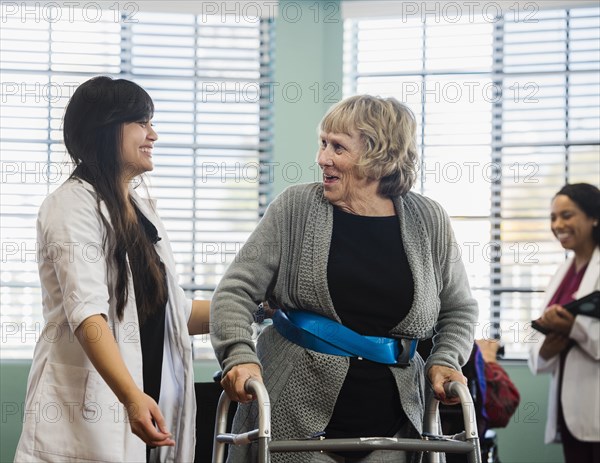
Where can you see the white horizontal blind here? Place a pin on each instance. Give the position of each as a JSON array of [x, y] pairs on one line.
[[508, 112], [203, 73], [42, 62]]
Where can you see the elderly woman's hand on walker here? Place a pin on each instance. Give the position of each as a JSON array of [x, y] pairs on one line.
[[235, 380], [438, 376]]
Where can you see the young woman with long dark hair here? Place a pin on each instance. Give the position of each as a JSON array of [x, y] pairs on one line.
[[114, 359]]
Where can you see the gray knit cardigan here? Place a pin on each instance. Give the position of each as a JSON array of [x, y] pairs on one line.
[[285, 259]]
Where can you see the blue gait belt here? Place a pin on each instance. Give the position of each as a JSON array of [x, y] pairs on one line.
[[321, 334]]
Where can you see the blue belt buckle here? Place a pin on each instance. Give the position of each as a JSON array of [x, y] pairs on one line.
[[406, 350]]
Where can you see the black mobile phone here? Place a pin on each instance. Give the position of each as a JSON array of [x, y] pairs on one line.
[[588, 305]]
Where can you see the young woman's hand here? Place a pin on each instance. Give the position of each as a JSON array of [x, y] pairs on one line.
[[143, 412]]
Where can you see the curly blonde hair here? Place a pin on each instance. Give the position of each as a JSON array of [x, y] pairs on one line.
[[388, 131]]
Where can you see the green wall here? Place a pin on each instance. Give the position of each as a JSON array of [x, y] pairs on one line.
[[13, 383], [308, 57], [522, 441]]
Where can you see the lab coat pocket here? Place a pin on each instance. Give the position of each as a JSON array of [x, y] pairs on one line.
[[79, 417]]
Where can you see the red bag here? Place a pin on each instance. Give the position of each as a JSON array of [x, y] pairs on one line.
[[501, 397]]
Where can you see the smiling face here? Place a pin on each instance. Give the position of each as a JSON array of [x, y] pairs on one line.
[[571, 226], [343, 185], [136, 148]]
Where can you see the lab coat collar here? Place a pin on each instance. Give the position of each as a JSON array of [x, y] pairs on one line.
[[589, 283], [147, 206]]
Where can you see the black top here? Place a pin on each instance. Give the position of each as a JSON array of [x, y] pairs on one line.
[[152, 328], [371, 287]]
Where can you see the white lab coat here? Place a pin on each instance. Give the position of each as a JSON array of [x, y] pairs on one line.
[[70, 412], [580, 395]]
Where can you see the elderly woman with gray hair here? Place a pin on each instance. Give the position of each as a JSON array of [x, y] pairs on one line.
[[362, 258]]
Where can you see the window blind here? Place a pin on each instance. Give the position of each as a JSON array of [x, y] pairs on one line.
[[507, 107], [204, 74]]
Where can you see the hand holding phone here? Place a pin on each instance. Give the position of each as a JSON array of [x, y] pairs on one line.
[[561, 318], [554, 319], [536, 325]]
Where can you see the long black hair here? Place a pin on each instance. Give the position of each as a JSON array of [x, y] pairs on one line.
[[93, 134], [587, 198]]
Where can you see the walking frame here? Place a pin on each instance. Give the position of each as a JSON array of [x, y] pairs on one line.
[[466, 442]]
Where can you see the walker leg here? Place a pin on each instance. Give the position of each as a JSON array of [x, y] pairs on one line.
[[220, 428], [264, 418], [432, 425], [263, 450]]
